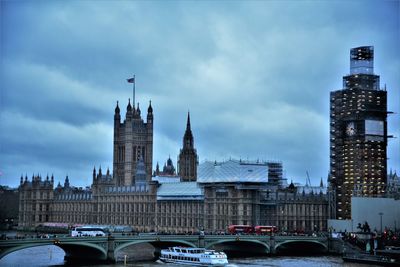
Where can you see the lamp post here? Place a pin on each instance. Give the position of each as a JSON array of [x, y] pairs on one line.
[[381, 214]]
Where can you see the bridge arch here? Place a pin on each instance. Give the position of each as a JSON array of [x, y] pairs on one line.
[[222, 241], [75, 250], [323, 247], [152, 242], [68, 248], [10, 250]]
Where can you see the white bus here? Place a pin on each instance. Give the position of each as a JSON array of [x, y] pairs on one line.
[[88, 231]]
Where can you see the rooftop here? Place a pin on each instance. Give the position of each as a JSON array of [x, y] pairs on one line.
[[232, 171], [180, 190]]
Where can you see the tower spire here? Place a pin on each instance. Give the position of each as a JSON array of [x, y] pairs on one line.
[[188, 122], [187, 159]]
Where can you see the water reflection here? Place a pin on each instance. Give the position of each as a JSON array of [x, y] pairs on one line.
[[35, 256]]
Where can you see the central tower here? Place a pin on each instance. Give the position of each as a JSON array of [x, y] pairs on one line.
[[133, 143], [187, 159]]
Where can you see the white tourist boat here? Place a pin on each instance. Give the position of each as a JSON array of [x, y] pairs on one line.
[[193, 256]]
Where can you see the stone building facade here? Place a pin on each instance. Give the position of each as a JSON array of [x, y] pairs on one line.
[[35, 201], [248, 193], [133, 140], [208, 197]]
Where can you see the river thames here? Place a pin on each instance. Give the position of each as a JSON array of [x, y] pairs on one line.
[[54, 256]]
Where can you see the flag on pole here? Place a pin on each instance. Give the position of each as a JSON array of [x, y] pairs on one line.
[[131, 80]]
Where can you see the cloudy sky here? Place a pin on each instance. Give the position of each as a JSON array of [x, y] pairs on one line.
[[255, 76]]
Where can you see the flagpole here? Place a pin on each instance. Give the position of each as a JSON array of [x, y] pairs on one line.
[[134, 82]]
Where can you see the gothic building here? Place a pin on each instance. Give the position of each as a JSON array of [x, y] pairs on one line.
[[187, 159], [36, 199], [133, 140], [358, 134], [168, 169], [208, 196]]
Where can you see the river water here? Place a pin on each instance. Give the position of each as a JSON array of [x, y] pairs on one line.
[[54, 256]]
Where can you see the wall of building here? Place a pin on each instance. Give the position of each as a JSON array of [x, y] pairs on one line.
[[8, 207]]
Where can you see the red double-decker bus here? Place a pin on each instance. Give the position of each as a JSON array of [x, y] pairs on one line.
[[240, 229], [265, 229]]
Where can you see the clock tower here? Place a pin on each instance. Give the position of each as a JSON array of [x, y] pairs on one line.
[[358, 135]]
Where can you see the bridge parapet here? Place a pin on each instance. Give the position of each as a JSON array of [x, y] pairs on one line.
[[106, 247]]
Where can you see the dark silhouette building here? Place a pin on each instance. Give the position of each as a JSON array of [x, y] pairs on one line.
[[358, 135]]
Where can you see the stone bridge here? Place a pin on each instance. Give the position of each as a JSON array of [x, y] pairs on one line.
[[105, 248]]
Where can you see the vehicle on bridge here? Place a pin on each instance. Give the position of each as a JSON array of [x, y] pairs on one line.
[[265, 229], [88, 231], [240, 229], [193, 256], [55, 227]]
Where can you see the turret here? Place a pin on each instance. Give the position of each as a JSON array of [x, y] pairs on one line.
[[66, 182], [117, 116], [129, 112], [94, 174], [150, 114], [138, 111], [157, 169], [52, 179], [21, 180]]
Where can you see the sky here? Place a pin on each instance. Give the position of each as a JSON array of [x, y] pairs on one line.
[[255, 76]]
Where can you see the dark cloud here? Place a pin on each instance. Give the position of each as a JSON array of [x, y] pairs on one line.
[[255, 76]]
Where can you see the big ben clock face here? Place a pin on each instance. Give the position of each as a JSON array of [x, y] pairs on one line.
[[350, 129]]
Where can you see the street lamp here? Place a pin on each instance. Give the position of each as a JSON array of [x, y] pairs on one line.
[[381, 213]]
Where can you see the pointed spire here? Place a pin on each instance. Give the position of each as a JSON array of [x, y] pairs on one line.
[[321, 184], [117, 109], [66, 183], [138, 109], [150, 108], [188, 122], [94, 173], [157, 168], [129, 107]]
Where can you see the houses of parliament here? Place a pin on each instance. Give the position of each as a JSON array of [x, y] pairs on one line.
[[208, 196]]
